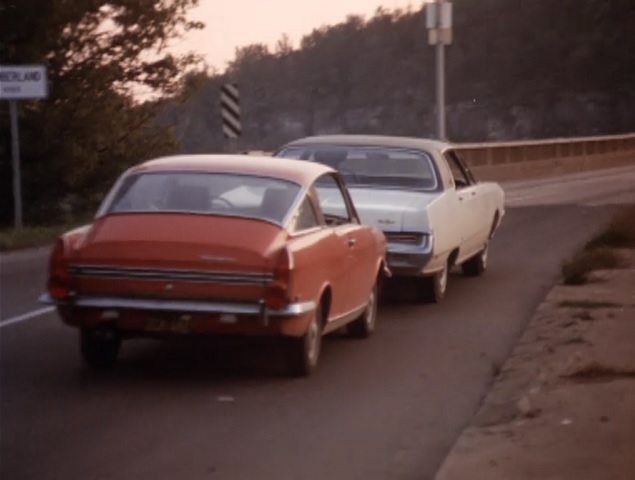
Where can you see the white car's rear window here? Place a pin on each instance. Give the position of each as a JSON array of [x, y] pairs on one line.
[[202, 192], [374, 167]]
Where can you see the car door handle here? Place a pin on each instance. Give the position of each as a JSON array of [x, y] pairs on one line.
[[351, 242]]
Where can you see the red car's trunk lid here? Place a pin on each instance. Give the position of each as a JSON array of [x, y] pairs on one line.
[[176, 256]]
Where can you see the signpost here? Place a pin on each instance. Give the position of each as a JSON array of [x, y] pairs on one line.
[[439, 24], [20, 82]]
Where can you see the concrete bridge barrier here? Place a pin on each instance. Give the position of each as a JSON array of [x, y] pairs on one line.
[[519, 160], [524, 159]]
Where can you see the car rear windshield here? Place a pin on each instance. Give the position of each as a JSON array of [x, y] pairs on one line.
[[374, 167], [204, 193]]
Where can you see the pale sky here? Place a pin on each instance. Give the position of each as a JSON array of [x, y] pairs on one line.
[[237, 23]]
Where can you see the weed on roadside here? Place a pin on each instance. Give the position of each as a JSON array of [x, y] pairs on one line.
[[598, 372], [597, 253], [576, 270], [620, 233]]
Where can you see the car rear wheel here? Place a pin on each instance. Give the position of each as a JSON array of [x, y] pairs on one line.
[[99, 347], [304, 352], [432, 289], [364, 325], [476, 265]]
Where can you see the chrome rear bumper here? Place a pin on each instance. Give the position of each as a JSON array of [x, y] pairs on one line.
[[409, 260], [255, 309]]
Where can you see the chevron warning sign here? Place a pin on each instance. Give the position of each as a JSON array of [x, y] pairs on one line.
[[230, 110]]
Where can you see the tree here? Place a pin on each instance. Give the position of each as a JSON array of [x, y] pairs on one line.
[[284, 47], [108, 64]]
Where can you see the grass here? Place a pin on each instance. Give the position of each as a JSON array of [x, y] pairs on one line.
[[597, 254], [587, 304], [30, 237]]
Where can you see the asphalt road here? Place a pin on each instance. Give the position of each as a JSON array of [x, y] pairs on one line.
[[385, 408]]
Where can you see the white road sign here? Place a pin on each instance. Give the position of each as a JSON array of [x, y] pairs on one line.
[[19, 82]]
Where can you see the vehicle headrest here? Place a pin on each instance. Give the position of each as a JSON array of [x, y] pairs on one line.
[[276, 201], [331, 156], [189, 198]]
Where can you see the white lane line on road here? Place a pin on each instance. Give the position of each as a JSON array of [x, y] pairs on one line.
[[26, 316]]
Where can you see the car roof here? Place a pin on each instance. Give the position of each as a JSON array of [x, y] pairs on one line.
[[374, 140], [302, 172]]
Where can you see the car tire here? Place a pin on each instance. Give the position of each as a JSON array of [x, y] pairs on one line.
[[432, 289], [476, 265], [99, 347], [304, 351], [364, 325]]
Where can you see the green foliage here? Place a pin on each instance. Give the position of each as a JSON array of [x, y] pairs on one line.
[[106, 64]]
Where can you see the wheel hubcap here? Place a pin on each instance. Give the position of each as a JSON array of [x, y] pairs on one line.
[[371, 311], [312, 342], [484, 256], [443, 279]]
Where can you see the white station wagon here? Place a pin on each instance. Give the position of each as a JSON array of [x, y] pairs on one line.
[[421, 194]]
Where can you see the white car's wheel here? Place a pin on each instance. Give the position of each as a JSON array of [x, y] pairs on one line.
[[433, 288], [476, 265]]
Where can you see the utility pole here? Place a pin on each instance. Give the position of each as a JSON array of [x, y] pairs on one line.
[[441, 91], [439, 25]]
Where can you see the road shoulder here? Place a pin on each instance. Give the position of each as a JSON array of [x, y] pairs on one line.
[[11, 257], [562, 404]]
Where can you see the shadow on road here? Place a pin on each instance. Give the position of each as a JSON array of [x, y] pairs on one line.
[[235, 359]]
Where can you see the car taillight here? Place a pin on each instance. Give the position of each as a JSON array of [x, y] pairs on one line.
[[58, 280], [277, 292]]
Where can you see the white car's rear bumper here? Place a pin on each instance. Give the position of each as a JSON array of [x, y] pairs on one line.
[[409, 260]]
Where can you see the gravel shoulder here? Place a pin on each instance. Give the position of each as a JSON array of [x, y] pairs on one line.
[[562, 405]]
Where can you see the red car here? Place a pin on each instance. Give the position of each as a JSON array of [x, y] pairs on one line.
[[220, 244]]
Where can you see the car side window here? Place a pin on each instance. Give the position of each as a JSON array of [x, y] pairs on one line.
[[460, 175], [466, 169], [445, 173], [332, 201], [305, 217]]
